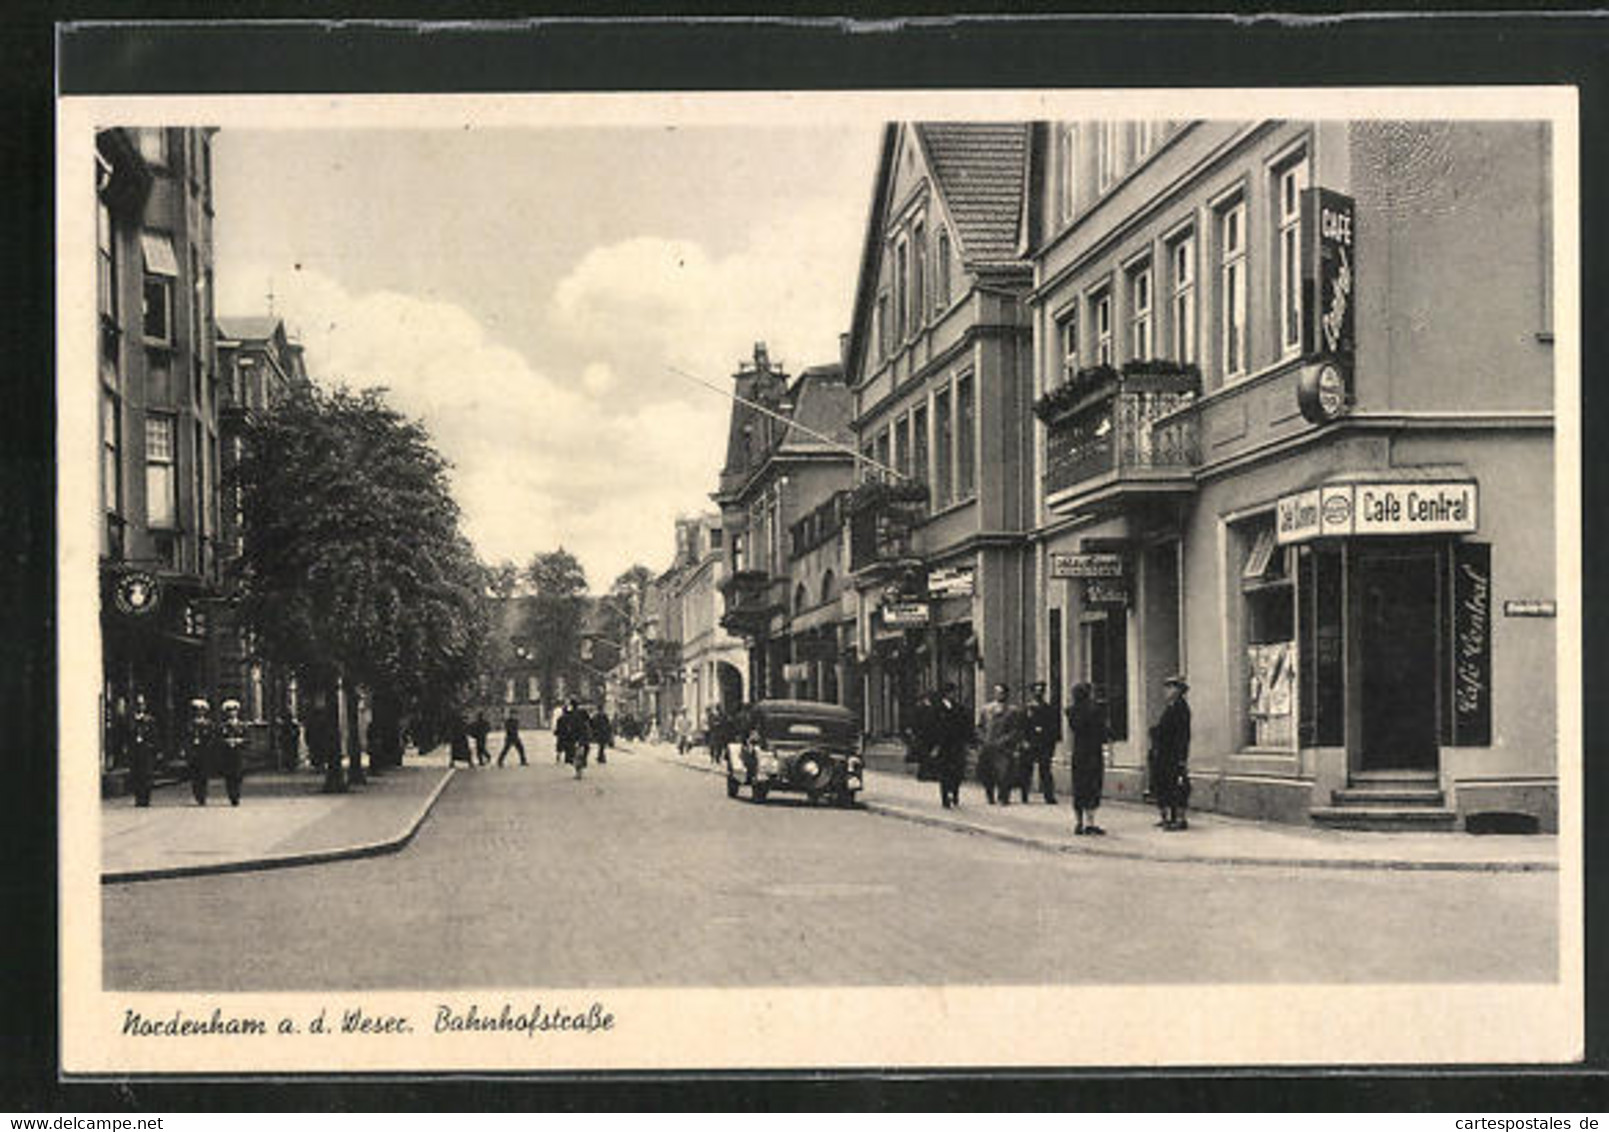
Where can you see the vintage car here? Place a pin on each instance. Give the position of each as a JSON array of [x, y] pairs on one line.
[[798, 746]]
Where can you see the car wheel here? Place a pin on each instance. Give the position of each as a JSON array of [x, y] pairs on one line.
[[731, 786], [760, 791]]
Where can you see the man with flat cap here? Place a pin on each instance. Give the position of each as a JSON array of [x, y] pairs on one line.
[[1041, 733], [1170, 744]]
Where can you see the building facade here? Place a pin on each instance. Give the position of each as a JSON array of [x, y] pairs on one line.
[[1295, 438], [714, 663], [939, 362], [789, 451], [158, 426]]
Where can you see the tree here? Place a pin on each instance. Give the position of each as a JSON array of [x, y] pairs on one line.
[[354, 568], [503, 580], [556, 609]]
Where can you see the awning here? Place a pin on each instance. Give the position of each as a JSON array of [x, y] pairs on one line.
[[159, 257]]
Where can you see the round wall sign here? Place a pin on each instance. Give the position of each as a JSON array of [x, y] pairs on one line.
[[1321, 392], [137, 593]]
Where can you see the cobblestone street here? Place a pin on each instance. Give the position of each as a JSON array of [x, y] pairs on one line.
[[645, 874]]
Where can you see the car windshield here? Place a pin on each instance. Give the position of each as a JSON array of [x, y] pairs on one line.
[[810, 729]]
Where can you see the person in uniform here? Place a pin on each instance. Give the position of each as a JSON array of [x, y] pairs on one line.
[[1041, 733], [951, 733], [1086, 723], [1001, 725], [198, 740], [511, 738], [142, 741], [232, 749], [1170, 740]]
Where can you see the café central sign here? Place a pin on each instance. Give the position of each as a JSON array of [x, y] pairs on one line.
[[1378, 509]]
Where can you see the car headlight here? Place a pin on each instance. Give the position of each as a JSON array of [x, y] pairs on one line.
[[854, 782], [855, 764], [810, 768], [767, 763]]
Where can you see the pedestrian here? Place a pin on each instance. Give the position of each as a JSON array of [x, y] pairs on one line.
[[142, 742], [573, 735], [481, 728], [1170, 744], [603, 735], [458, 750], [717, 734], [1041, 733], [1086, 724], [232, 739], [952, 734], [921, 740], [198, 748], [286, 731], [511, 738], [1001, 726]]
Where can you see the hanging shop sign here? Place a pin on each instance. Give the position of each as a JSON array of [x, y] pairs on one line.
[[1378, 509], [1530, 607], [906, 615], [1106, 591], [1086, 565], [954, 581], [796, 671], [1329, 279], [137, 593]]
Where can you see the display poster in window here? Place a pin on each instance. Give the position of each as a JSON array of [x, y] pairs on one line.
[[1470, 670]]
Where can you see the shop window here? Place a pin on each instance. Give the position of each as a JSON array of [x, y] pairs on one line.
[[1269, 605], [1105, 632]]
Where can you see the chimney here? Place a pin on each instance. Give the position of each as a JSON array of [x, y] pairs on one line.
[[762, 360], [843, 351]]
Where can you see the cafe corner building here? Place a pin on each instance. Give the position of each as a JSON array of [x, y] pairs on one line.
[[1296, 387]]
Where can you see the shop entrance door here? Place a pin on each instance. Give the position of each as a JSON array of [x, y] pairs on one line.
[[1398, 598]]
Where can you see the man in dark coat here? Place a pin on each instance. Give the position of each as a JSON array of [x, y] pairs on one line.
[[921, 739], [481, 727], [1170, 740], [573, 735], [142, 742], [458, 745], [1041, 733], [951, 732], [198, 741], [232, 739], [603, 735], [511, 737]]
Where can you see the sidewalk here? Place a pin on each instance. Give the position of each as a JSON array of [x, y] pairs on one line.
[[283, 819], [1211, 839]]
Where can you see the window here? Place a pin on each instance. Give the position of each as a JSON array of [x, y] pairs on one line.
[[941, 289], [1290, 181], [901, 292], [106, 262], [1104, 640], [1066, 148], [161, 483], [715, 537], [1101, 303], [111, 445], [158, 324], [942, 445], [882, 325], [1270, 637], [1146, 136], [919, 470], [1108, 144], [918, 276], [1182, 264], [1140, 322], [883, 460], [965, 439], [1232, 288], [801, 599], [1067, 333], [159, 388], [902, 445], [154, 146]]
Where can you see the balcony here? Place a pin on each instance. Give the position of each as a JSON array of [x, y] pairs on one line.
[[883, 518], [752, 597], [1110, 434]]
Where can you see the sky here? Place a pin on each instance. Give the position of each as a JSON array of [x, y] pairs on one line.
[[525, 293]]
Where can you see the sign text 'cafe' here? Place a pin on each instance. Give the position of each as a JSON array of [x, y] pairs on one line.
[[1378, 509]]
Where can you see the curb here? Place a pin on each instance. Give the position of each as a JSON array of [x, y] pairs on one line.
[[289, 860], [1046, 845]]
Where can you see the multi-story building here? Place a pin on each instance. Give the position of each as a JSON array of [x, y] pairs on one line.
[[939, 362], [789, 451], [1296, 390], [159, 545], [258, 367], [713, 661]]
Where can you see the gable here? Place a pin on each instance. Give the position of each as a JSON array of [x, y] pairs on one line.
[[911, 174]]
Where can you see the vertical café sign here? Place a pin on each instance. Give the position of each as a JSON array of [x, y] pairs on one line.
[[1329, 275], [1470, 670]]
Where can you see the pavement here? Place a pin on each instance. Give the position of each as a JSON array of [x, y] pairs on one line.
[[285, 820], [1214, 839]]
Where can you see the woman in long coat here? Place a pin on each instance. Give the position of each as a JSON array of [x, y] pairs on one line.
[[1086, 720]]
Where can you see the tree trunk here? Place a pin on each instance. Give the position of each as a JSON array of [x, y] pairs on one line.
[[386, 749], [354, 736]]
